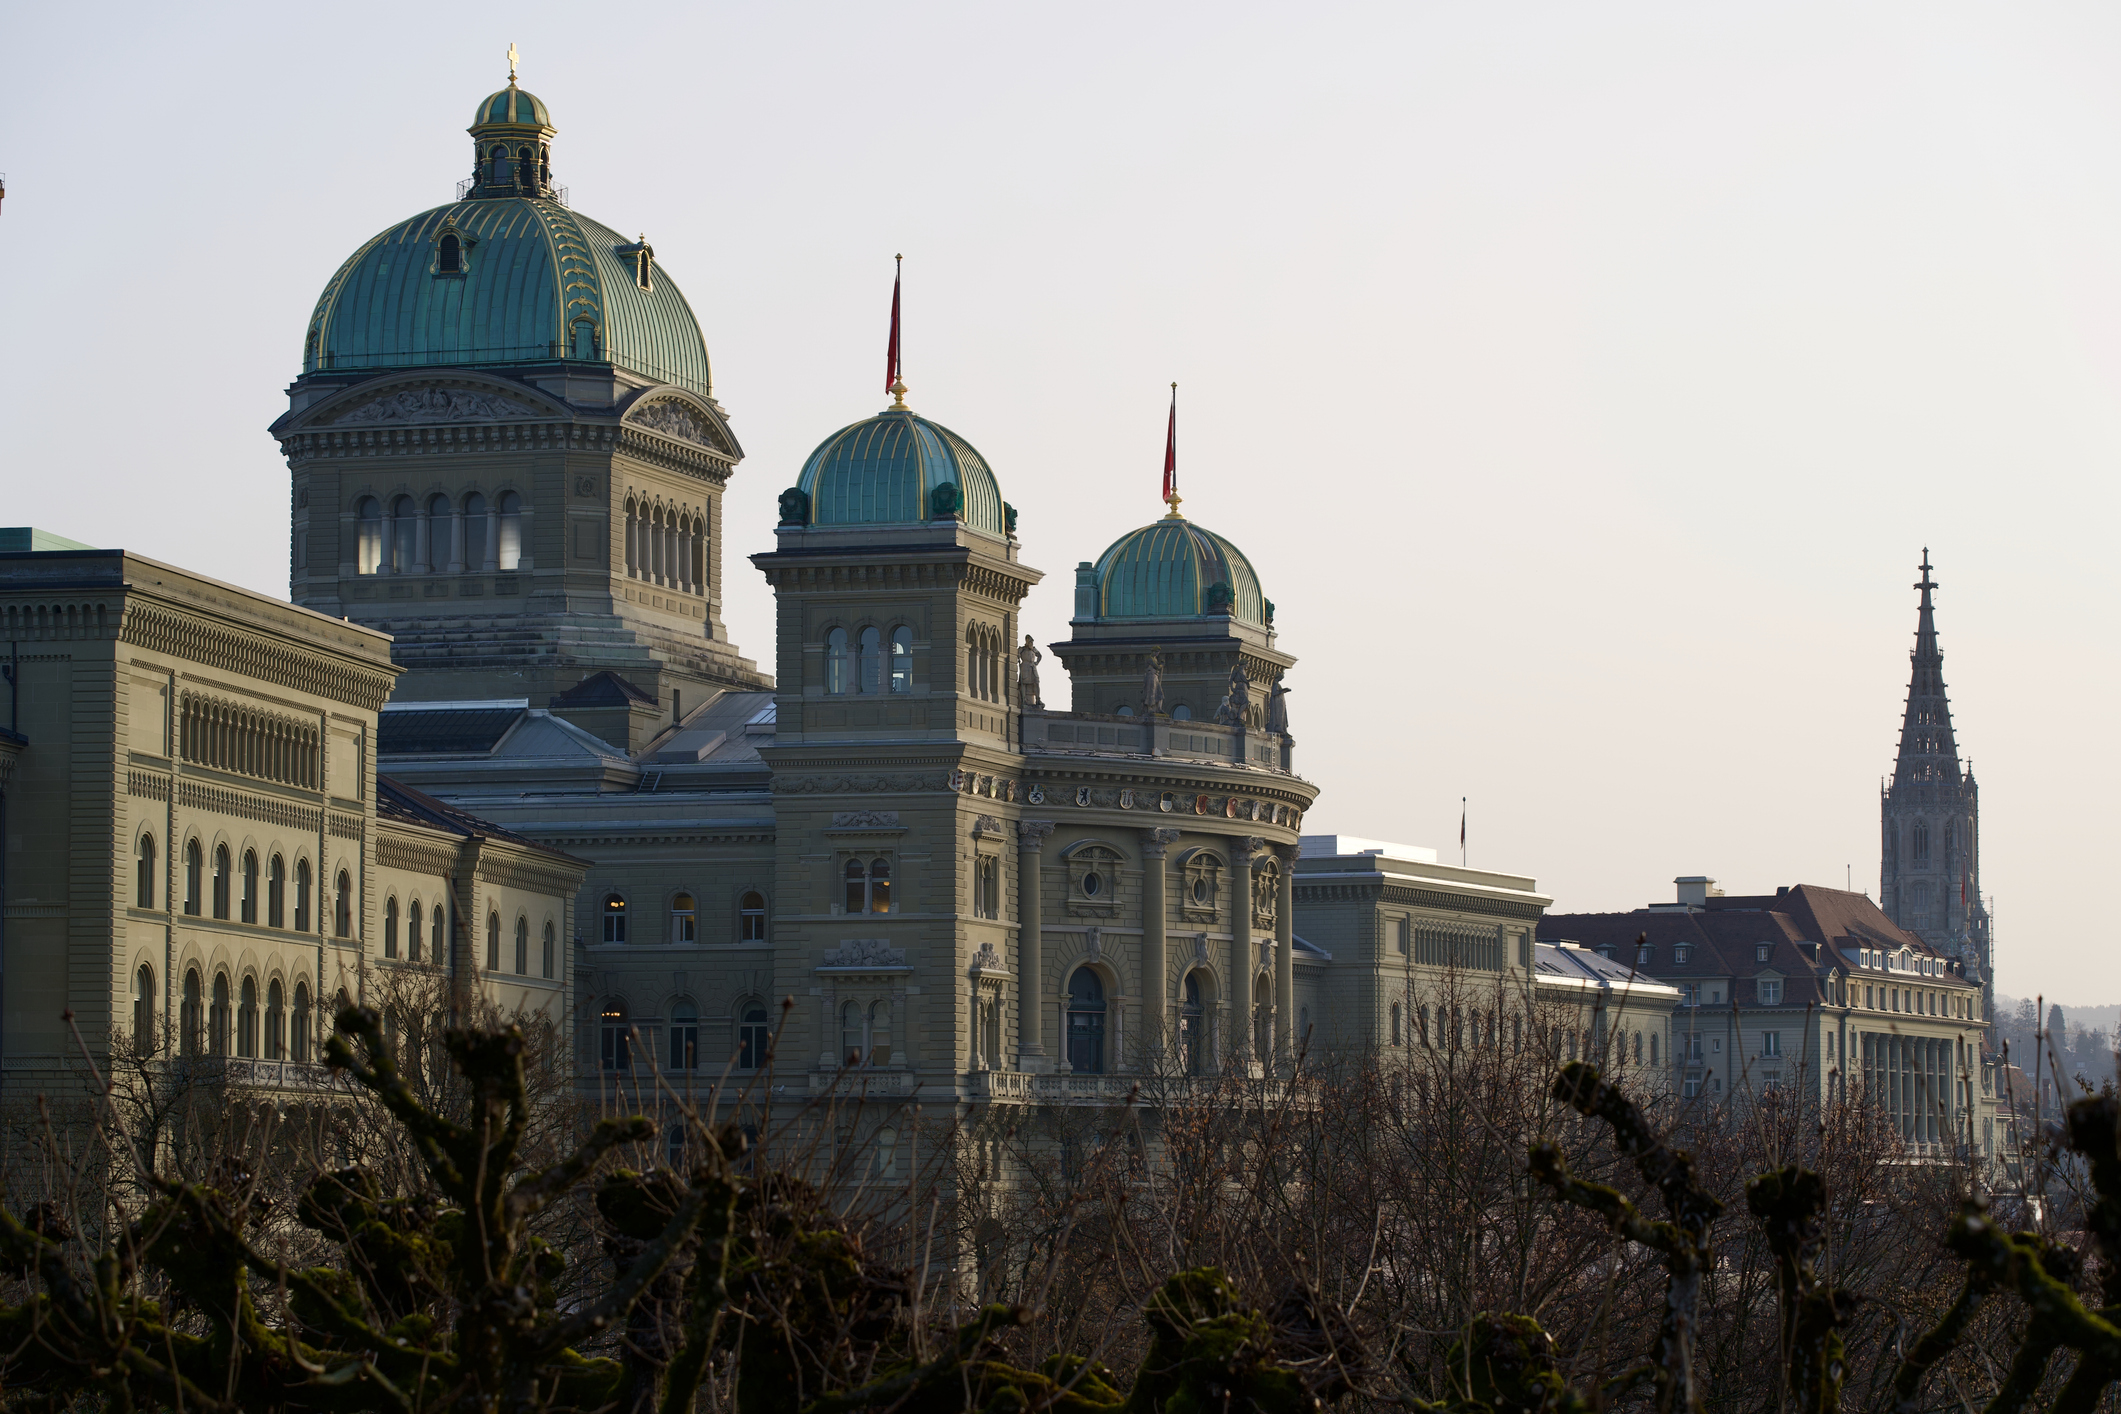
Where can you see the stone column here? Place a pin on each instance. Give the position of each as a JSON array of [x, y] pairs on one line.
[[1030, 985], [386, 562], [422, 553], [1285, 1038], [1156, 911], [493, 534], [1244, 958], [456, 540]]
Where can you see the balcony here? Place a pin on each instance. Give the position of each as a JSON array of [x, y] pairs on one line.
[[291, 1077]]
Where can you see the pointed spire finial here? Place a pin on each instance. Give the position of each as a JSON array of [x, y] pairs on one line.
[[894, 384], [513, 59], [1171, 496]]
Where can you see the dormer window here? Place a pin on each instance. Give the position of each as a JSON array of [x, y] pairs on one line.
[[1761, 951], [1680, 952], [449, 255], [644, 269]]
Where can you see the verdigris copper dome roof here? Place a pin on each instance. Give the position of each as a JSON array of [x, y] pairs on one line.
[[1170, 568], [886, 471], [506, 274]]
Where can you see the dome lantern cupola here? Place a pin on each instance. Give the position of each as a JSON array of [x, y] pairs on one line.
[[511, 138], [896, 468]]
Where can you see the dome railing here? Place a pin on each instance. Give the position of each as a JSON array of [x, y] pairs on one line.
[[511, 185]]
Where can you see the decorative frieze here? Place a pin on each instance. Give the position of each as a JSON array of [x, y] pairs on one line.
[[864, 953], [245, 806], [855, 785], [395, 851], [147, 785], [288, 663]]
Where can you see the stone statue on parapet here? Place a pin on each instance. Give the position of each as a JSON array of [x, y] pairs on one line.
[[1153, 683], [1027, 660], [1238, 701], [1278, 708]]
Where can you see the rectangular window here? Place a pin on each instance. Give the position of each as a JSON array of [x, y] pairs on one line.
[[1770, 993], [1771, 1043], [1402, 934]]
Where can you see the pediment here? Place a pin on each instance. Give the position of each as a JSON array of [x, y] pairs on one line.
[[430, 399], [676, 414]]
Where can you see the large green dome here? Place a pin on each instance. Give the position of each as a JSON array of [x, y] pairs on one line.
[[506, 274], [886, 471], [1169, 570]]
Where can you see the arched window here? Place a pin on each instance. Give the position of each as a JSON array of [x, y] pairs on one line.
[[342, 915], [299, 1039], [868, 886], [449, 260], [413, 919], [144, 1011], [522, 946], [404, 535], [435, 933], [1395, 1025], [368, 543], [751, 918], [973, 677], [217, 1023], [851, 1040], [1086, 1023], [754, 1034], [1192, 1026], [221, 873], [511, 543], [1263, 1014], [144, 873], [247, 1020], [1181, 713], [886, 1152], [872, 643], [585, 339], [986, 886], [551, 948], [493, 942], [633, 538], [276, 893], [684, 922], [190, 1027], [1653, 1047], [879, 1033], [617, 1050], [478, 538], [441, 553], [275, 1021], [302, 896], [194, 871], [390, 928], [902, 659], [614, 919], [684, 1036], [837, 668]]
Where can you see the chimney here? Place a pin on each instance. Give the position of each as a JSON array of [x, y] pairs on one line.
[[1695, 890]]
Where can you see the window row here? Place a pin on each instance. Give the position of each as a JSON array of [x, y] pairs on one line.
[[266, 889], [231, 1023], [685, 918], [624, 1042], [426, 932], [248, 742], [548, 948], [856, 663], [441, 537], [667, 547]]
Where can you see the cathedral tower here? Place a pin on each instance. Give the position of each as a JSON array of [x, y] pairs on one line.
[[1930, 860], [506, 451]]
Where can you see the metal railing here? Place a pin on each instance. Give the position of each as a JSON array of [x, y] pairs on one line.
[[486, 186]]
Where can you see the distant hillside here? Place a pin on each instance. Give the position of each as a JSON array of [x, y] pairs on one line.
[[2105, 1018]]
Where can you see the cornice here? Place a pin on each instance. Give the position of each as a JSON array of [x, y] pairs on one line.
[[318, 671], [1446, 900], [456, 438], [894, 569]]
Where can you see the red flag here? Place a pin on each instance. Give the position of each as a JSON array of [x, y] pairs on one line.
[[1171, 449], [891, 353]]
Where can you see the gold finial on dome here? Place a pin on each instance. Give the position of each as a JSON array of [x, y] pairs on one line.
[[513, 59]]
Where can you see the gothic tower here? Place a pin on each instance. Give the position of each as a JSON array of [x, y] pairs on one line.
[[1930, 860], [506, 451]]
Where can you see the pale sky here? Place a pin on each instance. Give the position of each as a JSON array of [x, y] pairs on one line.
[[1584, 381]]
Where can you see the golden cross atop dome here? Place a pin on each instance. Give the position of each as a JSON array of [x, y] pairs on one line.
[[513, 59]]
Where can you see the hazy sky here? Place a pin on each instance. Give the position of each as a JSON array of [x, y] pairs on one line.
[[1584, 381]]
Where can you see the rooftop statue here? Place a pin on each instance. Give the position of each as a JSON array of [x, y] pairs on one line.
[[1027, 660], [1153, 683]]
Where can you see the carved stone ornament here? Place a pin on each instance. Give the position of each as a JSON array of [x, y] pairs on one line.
[[1230, 808], [987, 960], [585, 486], [1167, 802], [1082, 795], [957, 780], [1037, 795], [435, 403], [1200, 805], [1126, 799], [1032, 833], [851, 785], [865, 820], [1092, 945], [673, 419], [988, 825], [865, 952]]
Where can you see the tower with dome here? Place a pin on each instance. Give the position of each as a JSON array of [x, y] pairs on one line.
[[507, 453]]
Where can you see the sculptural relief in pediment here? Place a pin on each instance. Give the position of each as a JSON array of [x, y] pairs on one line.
[[676, 419], [436, 403]]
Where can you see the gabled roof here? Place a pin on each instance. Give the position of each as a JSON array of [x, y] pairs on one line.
[[604, 689]]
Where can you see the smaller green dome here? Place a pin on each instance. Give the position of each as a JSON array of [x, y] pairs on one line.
[[513, 106], [887, 471], [1169, 570]]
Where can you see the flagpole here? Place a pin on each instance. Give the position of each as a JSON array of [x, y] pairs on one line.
[[1171, 496], [894, 384]]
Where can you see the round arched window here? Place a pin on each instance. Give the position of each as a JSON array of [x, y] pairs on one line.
[[1200, 890], [1093, 883]]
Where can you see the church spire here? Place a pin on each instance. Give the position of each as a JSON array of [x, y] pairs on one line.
[[1928, 750]]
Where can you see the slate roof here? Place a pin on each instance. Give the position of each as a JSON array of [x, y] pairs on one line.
[[604, 689], [411, 731], [398, 801]]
